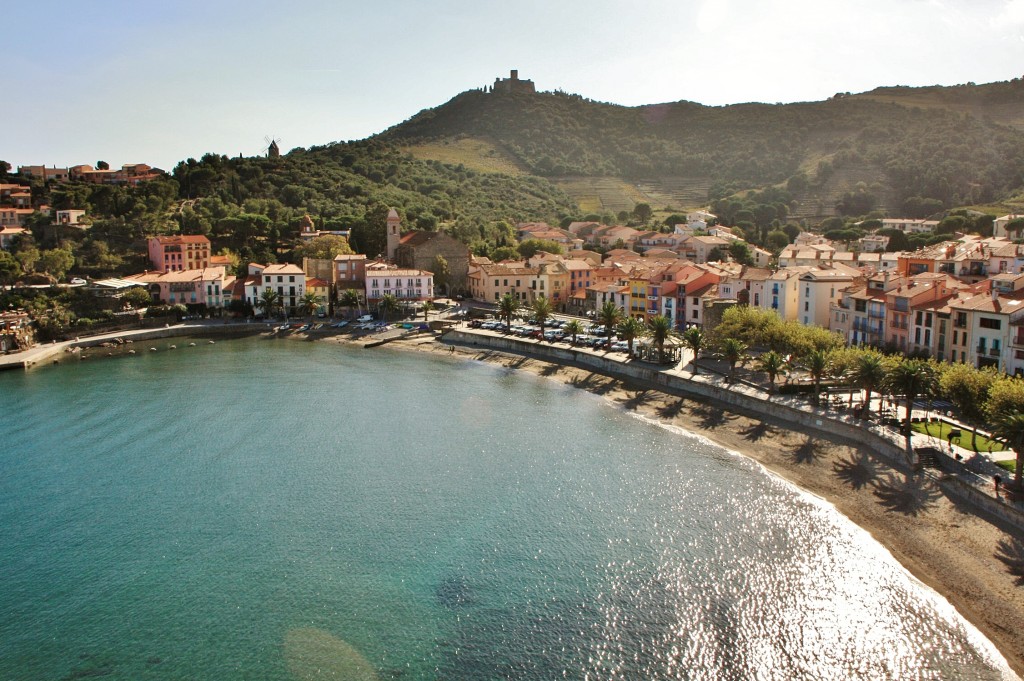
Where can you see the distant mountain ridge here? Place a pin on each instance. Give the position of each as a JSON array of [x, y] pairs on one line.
[[960, 145]]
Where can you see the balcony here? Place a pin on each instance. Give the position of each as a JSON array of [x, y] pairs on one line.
[[994, 352], [1018, 339], [877, 313]]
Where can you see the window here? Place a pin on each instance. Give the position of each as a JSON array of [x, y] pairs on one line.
[[291, 278], [280, 279], [694, 314], [807, 307], [987, 323]]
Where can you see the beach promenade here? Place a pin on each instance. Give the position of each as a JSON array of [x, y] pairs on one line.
[[48, 353]]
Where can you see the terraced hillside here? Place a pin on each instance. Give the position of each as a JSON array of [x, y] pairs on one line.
[[961, 145]]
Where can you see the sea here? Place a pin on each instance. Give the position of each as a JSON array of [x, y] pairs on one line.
[[271, 509]]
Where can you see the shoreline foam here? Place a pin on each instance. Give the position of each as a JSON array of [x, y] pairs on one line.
[[951, 551]]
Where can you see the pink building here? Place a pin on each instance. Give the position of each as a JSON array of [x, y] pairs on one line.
[[203, 286], [177, 253]]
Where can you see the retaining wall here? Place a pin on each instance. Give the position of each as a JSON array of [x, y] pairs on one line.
[[806, 416]]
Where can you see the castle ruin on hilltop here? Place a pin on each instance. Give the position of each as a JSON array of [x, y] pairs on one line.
[[512, 85]]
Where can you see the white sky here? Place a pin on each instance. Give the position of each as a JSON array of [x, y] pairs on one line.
[[138, 82]]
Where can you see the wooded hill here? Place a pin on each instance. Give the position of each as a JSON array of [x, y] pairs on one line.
[[961, 145]]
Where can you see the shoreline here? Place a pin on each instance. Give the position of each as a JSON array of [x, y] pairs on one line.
[[974, 564]]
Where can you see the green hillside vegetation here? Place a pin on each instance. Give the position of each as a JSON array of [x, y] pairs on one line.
[[955, 145]]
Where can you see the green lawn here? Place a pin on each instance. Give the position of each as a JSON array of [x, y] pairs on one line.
[[941, 431], [1007, 465]]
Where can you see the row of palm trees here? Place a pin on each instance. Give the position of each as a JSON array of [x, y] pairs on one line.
[[270, 303], [980, 395], [611, 316]]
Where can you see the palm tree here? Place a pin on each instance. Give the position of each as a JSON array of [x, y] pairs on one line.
[[541, 312], [507, 306], [574, 328], [773, 364], [911, 378], [609, 315], [629, 329], [695, 340], [1010, 427], [816, 362], [733, 351], [388, 304], [269, 302], [868, 374], [350, 299], [660, 330], [309, 303], [428, 307]]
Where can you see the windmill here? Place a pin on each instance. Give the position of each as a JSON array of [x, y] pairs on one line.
[[272, 148]]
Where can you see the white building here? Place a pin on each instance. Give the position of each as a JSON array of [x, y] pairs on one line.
[[289, 282], [407, 285]]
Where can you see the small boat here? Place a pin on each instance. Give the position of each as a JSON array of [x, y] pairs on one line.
[[173, 347], [152, 349], [211, 342], [191, 345]]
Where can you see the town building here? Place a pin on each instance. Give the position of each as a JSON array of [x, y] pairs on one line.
[[201, 288], [407, 285], [178, 253]]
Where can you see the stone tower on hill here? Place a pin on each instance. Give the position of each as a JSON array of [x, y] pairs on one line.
[[512, 84], [394, 233]]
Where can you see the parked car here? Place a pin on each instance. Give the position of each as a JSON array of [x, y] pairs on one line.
[[365, 318]]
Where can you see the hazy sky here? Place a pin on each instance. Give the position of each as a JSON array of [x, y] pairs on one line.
[[147, 82]]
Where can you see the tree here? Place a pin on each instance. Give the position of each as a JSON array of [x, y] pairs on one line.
[[733, 351], [911, 378], [428, 307], [1006, 396], [740, 252], [1010, 428], [642, 212], [609, 315], [629, 329], [56, 262], [967, 389], [5, 168], [507, 306], [772, 364], [696, 341], [350, 299], [442, 273], [716, 255], [102, 165], [868, 374], [574, 328], [269, 302], [322, 248], [816, 363], [777, 240], [529, 248], [309, 303], [136, 298], [659, 328], [541, 312], [388, 305], [10, 268]]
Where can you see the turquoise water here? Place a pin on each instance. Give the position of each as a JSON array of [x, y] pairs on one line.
[[262, 509]]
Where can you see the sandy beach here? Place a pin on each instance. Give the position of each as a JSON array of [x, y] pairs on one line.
[[976, 565]]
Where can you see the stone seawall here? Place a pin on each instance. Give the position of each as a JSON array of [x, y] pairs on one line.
[[45, 354], [739, 399]]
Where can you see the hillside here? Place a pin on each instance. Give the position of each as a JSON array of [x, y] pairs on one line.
[[959, 145]]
